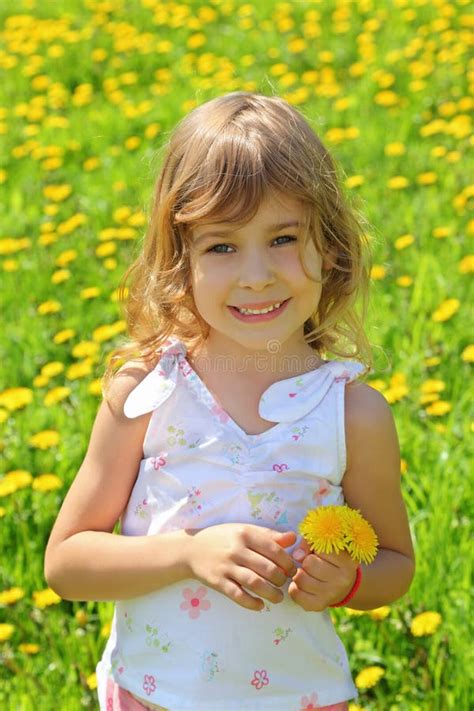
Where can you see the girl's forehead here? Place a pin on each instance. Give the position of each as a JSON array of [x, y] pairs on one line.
[[276, 212]]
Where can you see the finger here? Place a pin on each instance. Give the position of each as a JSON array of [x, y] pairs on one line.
[[306, 600], [237, 594], [271, 549], [250, 580], [264, 567], [308, 583], [339, 560]]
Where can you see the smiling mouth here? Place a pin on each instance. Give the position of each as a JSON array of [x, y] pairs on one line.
[[259, 311]]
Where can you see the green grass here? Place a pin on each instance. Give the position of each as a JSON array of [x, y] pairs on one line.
[[430, 673]]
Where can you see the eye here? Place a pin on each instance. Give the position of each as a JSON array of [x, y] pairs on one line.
[[292, 238], [216, 249]]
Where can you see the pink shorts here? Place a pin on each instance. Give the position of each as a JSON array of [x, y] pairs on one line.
[[119, 699]]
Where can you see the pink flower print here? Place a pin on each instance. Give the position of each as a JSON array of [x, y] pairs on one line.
[[260, 678], [149, 684], [345, 375], [221, 414], [158, 462], [194, 602], [309, 703], [185, 368], [292, 394], [280, 467], [323, 490]]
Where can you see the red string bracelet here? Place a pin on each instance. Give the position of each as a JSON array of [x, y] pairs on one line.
[[352, 591]]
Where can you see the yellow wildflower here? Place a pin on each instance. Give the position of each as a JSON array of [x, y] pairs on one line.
[[468, 354], [404, 241], [29, 648], [432, 386], [45, 598], [52, 369], [16, 398], [425, 623], [442, 232], [49, 307], [89, 293], [6, 631], [81, 617], [378, 272], [361, 539], [379, 613], [404, 281], [79, 370], [394, 149], [46, 482], [56, 395], [369, 677], [323, 529], [20, 477], [85, 349], [91, 681], [9, 597], [7, 487], [330, 529], [446, 310], [64, 335], [428, 178], [398, 182], [466, 265], [44, 439], [440, 407]]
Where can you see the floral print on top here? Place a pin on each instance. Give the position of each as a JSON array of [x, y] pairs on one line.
[[189, 645]]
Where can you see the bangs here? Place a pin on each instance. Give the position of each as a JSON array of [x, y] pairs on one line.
[[237, 173]]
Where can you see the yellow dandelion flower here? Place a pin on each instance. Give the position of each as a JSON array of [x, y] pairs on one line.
[[28, 648], [16, 398], [49, 307], [20, 477], [431, 362], [404, 281], [52, 369], [468, 354], [45, 598], [379, 613], [56, 395], [323, 529], [404, 241], [85, 349], [81, 617], [46, 482], [442, 232], [6, 631], [105, 630], [428, 178], [438, 408], [361, 539], [398, 182], [91, 681], [432, 386], [7, 487], [446, 310], [45, 439], [369, 677], [9, 597], [425, 623], [394, 149], [79, 370], [466, 265], [378, 272], [64, 335]]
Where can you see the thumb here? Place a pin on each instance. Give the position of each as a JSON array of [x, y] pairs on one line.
[[302, 551], [285, 538]]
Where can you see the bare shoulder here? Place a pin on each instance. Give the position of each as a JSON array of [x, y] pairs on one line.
[[369, 422], [365, 405]]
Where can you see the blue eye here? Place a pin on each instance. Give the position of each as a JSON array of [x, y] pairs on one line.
[[290, 237], [216, 250]]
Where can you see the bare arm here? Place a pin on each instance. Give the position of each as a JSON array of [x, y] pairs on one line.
[[372, 485], [84, 560]]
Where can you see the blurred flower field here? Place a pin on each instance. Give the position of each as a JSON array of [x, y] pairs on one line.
[[89, 93]]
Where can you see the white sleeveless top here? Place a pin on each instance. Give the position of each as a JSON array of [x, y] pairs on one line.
[[187, 646]]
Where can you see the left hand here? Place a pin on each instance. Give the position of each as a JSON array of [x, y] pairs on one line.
[[322, 580]]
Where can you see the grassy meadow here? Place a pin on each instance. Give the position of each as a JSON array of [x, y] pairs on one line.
[[89, 93]]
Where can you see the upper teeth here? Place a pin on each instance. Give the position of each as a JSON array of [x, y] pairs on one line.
[[260, 311]]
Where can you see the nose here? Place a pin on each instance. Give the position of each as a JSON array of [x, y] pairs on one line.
[[256, 271]]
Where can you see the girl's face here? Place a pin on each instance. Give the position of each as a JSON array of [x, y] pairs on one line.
[[254, 267]]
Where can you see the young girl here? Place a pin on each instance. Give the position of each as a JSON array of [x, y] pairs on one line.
[[225, 425]]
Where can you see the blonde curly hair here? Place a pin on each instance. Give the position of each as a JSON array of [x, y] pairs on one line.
[[221, 160]]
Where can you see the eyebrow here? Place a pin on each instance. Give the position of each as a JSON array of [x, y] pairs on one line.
[[271, 228]]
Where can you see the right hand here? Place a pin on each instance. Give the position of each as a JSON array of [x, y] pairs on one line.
[[232, 556]]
